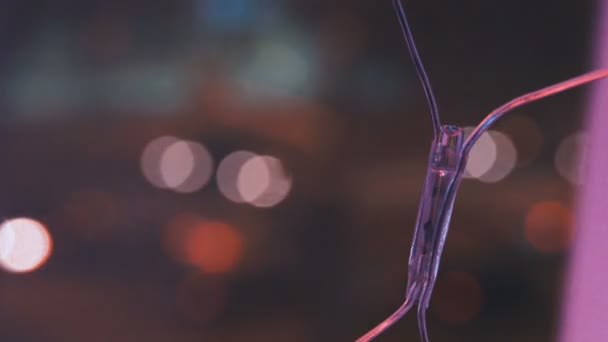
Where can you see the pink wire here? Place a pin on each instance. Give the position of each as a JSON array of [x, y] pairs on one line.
[[527, 98]]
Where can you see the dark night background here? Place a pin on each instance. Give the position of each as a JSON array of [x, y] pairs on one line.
[[328, 88]]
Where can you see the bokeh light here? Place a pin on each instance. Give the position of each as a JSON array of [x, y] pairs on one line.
[[211, 246], [262, 181], [180, 165], [458, 298], [228, 172], [215, 247], [281, 64], [548, 226], [196, 166], [253, 179], [526, 136], [571, 157], [176, 164], [221, 16], [150, 159], [481, 157], [25, 245], [506, 158]]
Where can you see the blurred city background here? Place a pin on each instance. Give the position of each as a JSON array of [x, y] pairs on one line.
[[249, 170]]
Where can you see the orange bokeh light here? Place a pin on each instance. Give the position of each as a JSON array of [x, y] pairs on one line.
[[215, 247], [211, 246], [549, 226], [458, 298]]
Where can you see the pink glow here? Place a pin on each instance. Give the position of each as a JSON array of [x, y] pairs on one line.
[[586, 305]]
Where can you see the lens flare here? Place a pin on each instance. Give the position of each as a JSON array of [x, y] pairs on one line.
[[26, 245]]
